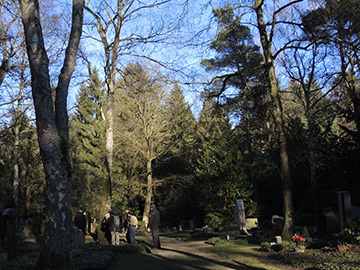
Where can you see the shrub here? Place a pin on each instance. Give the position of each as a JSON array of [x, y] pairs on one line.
[[214, 220], [351, 234], [98, 259], [305, 232], [141, 225], [288, 245], [265, 246]]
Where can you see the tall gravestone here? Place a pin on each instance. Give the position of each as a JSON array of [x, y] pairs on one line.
[[240, 215], [345, 210]]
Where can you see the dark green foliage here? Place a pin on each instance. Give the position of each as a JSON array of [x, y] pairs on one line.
[[175, 166], [31, 175], [26, 262], [351, 234], [221, 178], [316, 259], [214, 221], [87, 146]]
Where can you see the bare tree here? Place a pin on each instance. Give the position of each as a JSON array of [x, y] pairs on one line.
[[143, 130], [52, 129], [119, 38]]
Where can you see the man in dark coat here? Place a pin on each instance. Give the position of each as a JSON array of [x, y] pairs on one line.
[[154, 225], [80, 221]]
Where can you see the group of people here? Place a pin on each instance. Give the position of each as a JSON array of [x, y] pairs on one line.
[[113, 224]]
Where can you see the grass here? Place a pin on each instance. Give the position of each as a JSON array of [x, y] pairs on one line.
[[317, 259], [244, 254], [242, 249]]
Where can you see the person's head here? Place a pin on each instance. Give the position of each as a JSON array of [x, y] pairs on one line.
[[80, 209], [152, 207], [127, 210]]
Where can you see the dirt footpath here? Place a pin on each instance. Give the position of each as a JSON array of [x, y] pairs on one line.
[[183, 255]]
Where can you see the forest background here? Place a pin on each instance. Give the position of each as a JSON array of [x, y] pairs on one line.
[[192, 105]]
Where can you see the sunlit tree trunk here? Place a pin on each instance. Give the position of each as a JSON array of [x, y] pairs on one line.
[[52, 129], [149, 191]]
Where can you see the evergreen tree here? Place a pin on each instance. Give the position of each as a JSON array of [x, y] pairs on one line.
[[336, 25], [88, 146], [175, 166], [241, 86], [220, 172]]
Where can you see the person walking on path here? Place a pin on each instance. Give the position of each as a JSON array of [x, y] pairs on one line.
[[154, 225]]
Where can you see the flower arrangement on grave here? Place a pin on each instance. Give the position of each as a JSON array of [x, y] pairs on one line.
[[300, 242]]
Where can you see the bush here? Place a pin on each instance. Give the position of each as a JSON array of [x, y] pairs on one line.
[[96, 259], [265, 246], [316, 259], [351, 234], [141, 225], [26, 262], [305, 232], [214, 220], [288, 245]]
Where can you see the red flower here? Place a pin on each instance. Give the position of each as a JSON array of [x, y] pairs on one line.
[[298, 238]]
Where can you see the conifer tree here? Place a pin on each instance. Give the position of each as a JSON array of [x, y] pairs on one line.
[[88, 146], [175, 167], [221, 178]]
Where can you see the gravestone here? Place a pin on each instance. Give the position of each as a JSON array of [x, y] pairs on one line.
[[278, 224], [328, 222], [78, 238], [10, 216], [344, 205], [240, 215]]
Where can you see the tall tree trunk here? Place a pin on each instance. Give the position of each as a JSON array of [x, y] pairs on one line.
[[274, 90], [311, 147], [111, 59], [18, 121], [52, 129], [149, 193], [16, 179]]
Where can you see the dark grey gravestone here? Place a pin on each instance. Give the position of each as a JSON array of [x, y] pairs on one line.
[[345, 211], [278, 224]]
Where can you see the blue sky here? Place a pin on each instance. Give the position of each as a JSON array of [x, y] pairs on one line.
[[182, 50]]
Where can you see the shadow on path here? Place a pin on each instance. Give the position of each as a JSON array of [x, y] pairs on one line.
[[187, 260]]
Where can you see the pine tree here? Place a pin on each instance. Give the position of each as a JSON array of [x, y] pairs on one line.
[[221, 177], [88, 146], [175, 166]]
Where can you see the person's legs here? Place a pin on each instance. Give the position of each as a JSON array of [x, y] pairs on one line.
[[128, 236], [113, 235], [117, 238], [156, 239], [132, 233]]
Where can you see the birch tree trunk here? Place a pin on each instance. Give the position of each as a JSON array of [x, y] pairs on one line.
[[52, 130]]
